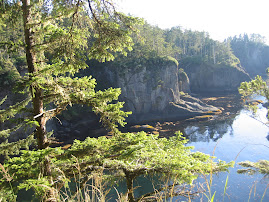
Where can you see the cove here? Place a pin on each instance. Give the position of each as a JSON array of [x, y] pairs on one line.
[[238, 138], [235, 138]]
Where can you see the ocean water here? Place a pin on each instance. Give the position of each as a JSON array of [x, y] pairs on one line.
[[240, 138]]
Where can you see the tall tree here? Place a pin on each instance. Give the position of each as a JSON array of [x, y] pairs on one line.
[[57, 37], [49, 31]]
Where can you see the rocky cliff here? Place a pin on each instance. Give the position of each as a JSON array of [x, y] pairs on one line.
[[151, 90], [215, 78], [256, 61], [253, 53]]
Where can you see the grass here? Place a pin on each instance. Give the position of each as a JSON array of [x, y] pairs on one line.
[[88, 189]]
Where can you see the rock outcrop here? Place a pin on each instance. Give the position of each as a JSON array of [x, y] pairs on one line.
[[253, 54], [152, 91], [210, 78], [149, 90], [184, 82]]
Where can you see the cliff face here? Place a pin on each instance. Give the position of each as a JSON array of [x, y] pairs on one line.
[[256, 61], [145, 89], [151, 91], [209, 78]]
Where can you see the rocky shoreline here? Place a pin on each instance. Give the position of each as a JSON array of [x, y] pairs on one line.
[[188, 108], [228, 106]]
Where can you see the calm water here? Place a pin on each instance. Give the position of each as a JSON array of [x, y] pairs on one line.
[[238, 138], [241, 138]]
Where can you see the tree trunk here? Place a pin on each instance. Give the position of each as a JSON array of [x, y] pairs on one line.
[[37, 94], [37, 98], [130, 184], [214, 54]]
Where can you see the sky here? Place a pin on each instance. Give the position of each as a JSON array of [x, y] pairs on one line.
[[220, 18]]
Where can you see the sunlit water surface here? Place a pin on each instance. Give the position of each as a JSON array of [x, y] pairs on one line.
[[236, 139], [241, 139]]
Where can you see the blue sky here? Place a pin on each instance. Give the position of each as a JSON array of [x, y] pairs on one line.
[[220, 18]]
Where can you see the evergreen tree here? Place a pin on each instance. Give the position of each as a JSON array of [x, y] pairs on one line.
[[58, 36], [252, 53], [60, 30]]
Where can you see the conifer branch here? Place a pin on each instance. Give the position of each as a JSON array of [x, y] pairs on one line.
[[13, 148], [3, 100], [6, 133], [13, 110]]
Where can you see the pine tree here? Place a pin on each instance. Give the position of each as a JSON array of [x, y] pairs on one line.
[[58, 36], [61, 29]]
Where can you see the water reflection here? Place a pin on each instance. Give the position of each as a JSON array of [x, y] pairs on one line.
[[210, 131], [240, 138]]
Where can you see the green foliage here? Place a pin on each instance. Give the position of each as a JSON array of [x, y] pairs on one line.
[[247, 89], [251, 168], [13, 148], [138, 154], [3, 100], [8, 73], [256, 86], [242, 45], [252, 51], [186, 46], [183, 75], [62, 34], [28, 170], [13, 110], [6, 133], [56, 38], [173, 59], [29, 164]]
